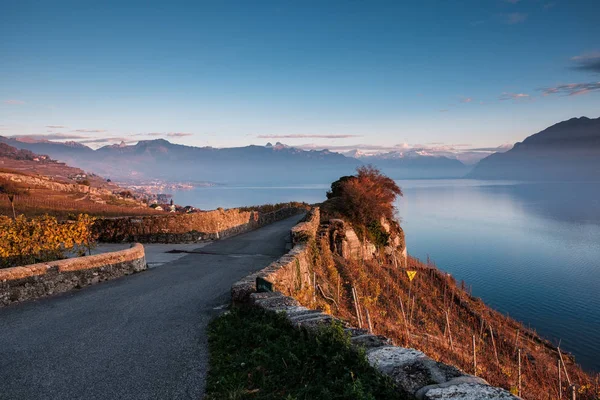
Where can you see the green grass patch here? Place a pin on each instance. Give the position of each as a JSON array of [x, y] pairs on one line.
[[259, 355]]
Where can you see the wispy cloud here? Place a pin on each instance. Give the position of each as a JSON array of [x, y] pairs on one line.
[[514, 18], [572, 89], [14, 102], [107, 140], [466, 100], [179, 134], [587, 62], [51, 136], [499, 149], [512, 1], [56, 126], [303, 136], [90, 130], [514, 96], [444, 110], [548, 6]]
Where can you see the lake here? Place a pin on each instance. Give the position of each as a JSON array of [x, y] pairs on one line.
[[531, 250]]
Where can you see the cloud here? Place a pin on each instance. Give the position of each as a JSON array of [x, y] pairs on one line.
[[302, 136], [587, 62], [514, 18], [55, 136], [107, 140], [512, 1], [572, 89], [466, 100], [56, 126], [163, 134], [500, 149], [178, 134], [90, 130], [548, 6], [444, 110], [514, 96], [14, 102]]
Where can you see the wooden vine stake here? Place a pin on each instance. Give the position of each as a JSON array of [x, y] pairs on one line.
[[404, 316], [564, 366], [314, 287], [519, 382], [449, 331], [494, 345], [474, 357], [356, 308], [369, 320], [559, 381]]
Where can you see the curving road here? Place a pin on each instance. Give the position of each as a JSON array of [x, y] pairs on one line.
[[138, 337]]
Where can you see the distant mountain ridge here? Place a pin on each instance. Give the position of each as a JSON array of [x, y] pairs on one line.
[[414, 164], [161, 159], [568, 150], [270, 164]]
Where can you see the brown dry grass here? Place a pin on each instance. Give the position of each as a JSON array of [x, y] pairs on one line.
[[384, 291]]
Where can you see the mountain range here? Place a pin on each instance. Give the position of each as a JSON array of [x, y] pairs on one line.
[[568, 150], [275, 164]]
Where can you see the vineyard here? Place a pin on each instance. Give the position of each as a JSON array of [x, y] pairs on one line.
[[435, 315], [38, 204], [28, 241]]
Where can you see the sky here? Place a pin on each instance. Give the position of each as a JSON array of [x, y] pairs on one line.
[[374, 75]]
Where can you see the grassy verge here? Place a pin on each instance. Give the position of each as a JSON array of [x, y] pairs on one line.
[[259, 355]]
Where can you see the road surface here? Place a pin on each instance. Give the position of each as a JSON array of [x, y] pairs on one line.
[[137, 337]]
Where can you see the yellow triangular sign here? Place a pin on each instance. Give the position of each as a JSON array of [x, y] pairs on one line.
[[411, 275]]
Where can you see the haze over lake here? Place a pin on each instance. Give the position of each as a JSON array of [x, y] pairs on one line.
[[530, 250]]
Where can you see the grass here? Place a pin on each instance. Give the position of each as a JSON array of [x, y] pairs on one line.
[[259, 355]]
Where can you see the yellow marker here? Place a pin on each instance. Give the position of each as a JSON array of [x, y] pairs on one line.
[[411, 275]]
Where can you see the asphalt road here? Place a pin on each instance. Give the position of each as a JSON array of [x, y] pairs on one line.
[[138, 337]]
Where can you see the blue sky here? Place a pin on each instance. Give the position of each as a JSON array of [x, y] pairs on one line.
[[318, 74]]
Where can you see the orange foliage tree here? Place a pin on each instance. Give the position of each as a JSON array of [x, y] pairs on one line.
[[365, 198]]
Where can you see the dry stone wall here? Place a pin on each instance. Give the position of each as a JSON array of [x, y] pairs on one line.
[[187, 228], [415, 375], [44, 279]]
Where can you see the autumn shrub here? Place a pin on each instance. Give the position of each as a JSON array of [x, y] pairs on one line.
[[363, 200], [41, 239]]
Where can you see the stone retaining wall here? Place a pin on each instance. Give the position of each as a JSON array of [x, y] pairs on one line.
[[415, 375], [187, 228], [44, 279], [291, 273]]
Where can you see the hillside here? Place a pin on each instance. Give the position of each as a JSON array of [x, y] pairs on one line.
[[569, 150], [43, 185]]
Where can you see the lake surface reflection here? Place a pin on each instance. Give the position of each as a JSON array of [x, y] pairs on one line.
[[530, 250]]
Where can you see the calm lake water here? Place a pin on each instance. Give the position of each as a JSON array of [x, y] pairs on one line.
[[529, 250]]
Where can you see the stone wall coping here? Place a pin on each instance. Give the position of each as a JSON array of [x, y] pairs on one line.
[[413, 372], [73, 264]]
